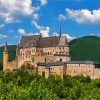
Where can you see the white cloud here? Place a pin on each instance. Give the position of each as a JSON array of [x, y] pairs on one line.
[[45, 32], [2, 26], [69, 37], [62, 17], [9, 20], [43, 2], [35, 16], [21, 31], [36, 25], [83, 15], [3, 36], [10, 9]]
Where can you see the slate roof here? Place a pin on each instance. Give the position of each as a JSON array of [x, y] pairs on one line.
[[38, 41], [83, 62], [49, 41], [50, 64], [29, 41]]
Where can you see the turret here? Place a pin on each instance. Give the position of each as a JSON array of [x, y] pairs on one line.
[[60, 32], [5, 58], [17, 54]]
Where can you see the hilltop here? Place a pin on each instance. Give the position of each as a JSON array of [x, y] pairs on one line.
[[84, 48]]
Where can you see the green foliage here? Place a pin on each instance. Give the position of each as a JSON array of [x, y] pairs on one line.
[[1, 65], [21, 85], [85, 48], [12, 52]]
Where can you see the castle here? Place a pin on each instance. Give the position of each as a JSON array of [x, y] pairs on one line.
[[48, 55]]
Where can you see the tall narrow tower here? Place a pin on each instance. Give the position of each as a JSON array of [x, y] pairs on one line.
[[60, 32], [5, 58], [17, 54]]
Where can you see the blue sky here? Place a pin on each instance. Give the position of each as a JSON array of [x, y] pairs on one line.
[[27, 17]]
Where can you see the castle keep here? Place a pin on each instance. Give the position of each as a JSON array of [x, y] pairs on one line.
[[48, 55]]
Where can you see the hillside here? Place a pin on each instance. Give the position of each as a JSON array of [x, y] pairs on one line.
[[85, 48], [12, 51]]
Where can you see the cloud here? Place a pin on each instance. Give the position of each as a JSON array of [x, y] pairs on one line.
[[2, 26], [10, 9], [9, 20], [45, 32], [21, 31], [36, 25], [83, 15], [35, 16], [43, 2], [3, 36], [62, 17], [69, 37]]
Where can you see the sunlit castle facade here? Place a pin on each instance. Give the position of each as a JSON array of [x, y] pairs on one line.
[[48, 55], [34, 49]]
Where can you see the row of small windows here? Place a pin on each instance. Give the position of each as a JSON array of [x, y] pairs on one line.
[[76, 71], [77, 66], [53, 68], [50, 53], [31, 51]]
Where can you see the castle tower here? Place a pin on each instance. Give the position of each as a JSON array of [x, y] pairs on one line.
[[17, 53], [5, 58]]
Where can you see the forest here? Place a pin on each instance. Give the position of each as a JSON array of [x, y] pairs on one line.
[[22, 85]]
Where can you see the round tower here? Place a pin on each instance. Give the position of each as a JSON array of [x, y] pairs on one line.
[[17, 54], [5, 58]]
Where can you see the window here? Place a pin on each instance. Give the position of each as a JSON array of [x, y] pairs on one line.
[[60, 59], [32, 59], [60, 48]]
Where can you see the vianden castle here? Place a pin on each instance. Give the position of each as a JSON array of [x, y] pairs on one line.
[[48, 55]]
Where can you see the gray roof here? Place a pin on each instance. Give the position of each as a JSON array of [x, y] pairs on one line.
[[50, 64], [83, 62], [38, 41], [29, 41], [49, 41]]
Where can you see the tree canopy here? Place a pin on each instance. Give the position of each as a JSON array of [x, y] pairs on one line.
[[21, 85]]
